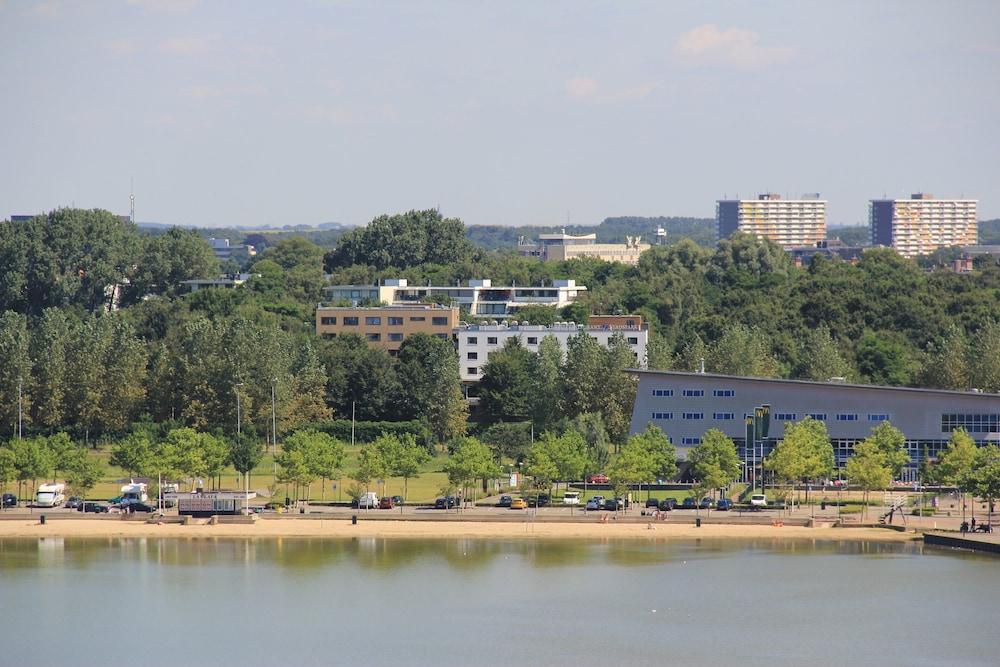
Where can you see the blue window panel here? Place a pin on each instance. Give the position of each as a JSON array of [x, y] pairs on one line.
[[785, 416], [694, 415], [691, 441], [663, 415], [724, 393], [694, 392], [878, 417], [663, 392], [818, 416], [846, 417], [722, 416]]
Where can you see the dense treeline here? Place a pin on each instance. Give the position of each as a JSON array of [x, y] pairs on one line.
[[610, 230], [198, 359]]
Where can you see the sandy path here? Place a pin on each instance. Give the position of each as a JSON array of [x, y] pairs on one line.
[[340, 528]]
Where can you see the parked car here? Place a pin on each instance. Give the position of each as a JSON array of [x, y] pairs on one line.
[[571, 498], [689, 503], [454, 501], [611, 504], [505, 501], [652, 502], [599, 478], [706, 503], [9, 500], [519, 504], [137, 506], [758, 500], [385, 503], [446, 503], [74, 502], [93, 508], [593, 504], [724, 504], [668, 504], [398, 500]]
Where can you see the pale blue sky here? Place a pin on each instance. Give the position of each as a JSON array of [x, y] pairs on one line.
[[504, 112]]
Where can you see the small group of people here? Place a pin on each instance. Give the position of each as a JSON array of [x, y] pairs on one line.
[[982, 527]]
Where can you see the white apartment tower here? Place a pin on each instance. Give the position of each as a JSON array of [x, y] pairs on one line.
[[787, 222], [922, 224]]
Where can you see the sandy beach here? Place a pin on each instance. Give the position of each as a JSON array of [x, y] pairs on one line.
[[342, 528]]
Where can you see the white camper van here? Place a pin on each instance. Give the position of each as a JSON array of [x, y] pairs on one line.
[[50, 495], [134, 492]]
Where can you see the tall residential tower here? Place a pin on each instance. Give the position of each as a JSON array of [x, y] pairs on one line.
[[921, 224], [787, 222]]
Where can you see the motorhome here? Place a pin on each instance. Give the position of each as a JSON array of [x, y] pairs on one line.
[[134, 492], [50, 495]]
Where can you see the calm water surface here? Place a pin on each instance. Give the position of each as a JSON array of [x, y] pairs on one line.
[[492, 602]]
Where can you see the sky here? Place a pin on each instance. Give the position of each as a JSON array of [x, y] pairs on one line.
[[303, 112]]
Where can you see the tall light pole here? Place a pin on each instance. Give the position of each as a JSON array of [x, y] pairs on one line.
[[274, 433], [236, 389], [19, 407]]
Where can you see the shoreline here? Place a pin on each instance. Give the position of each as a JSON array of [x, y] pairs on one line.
[[343, 529]]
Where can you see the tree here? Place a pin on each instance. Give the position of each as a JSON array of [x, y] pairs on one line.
[[508, 440], [644, 457], [957, 463], [946, 365], [428, 372], [15, 371], [8, 467], [590, 426], [360, 377], [617, 388], [83, 472], [506, 390], [715, 460], [33, 460], [868, 469], [537, 314], [742, 350], [179, 254], [984, 351], [658, 447], [309, 454], [50, 342], [568, 453], [245, 452], [885, 358], [892, 443], [547, 404], [819, 356], [403, 456], [803, 454], [133, 454], [181, 451], [985, 479], [371, 465], [582, 374], [470, 460]]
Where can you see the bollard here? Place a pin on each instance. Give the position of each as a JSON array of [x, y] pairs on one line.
[[354, 519], [41, 519], [302, 510], [822, 505], [697, 522]]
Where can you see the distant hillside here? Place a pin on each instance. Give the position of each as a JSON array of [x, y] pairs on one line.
[[611, 230], [989, 232], [855, 235]]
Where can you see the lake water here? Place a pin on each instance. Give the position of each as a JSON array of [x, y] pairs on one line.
[[131, 602]]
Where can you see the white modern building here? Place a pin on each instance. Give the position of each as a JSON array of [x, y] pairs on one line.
[[224, 251], [480, 297], [787, 222], [477, 341], [561, 247], [922, 224]]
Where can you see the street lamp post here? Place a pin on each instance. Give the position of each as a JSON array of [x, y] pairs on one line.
[[274, 433], [19, 407], [246, 479]]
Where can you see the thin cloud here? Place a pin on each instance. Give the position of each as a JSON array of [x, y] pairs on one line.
[[171, 6], [188, 45], [733, 47], [45, 10], [588, 89], [581, 87], [209, 92], [121, 47]]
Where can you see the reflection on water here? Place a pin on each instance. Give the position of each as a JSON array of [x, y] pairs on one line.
[[308, 601]]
